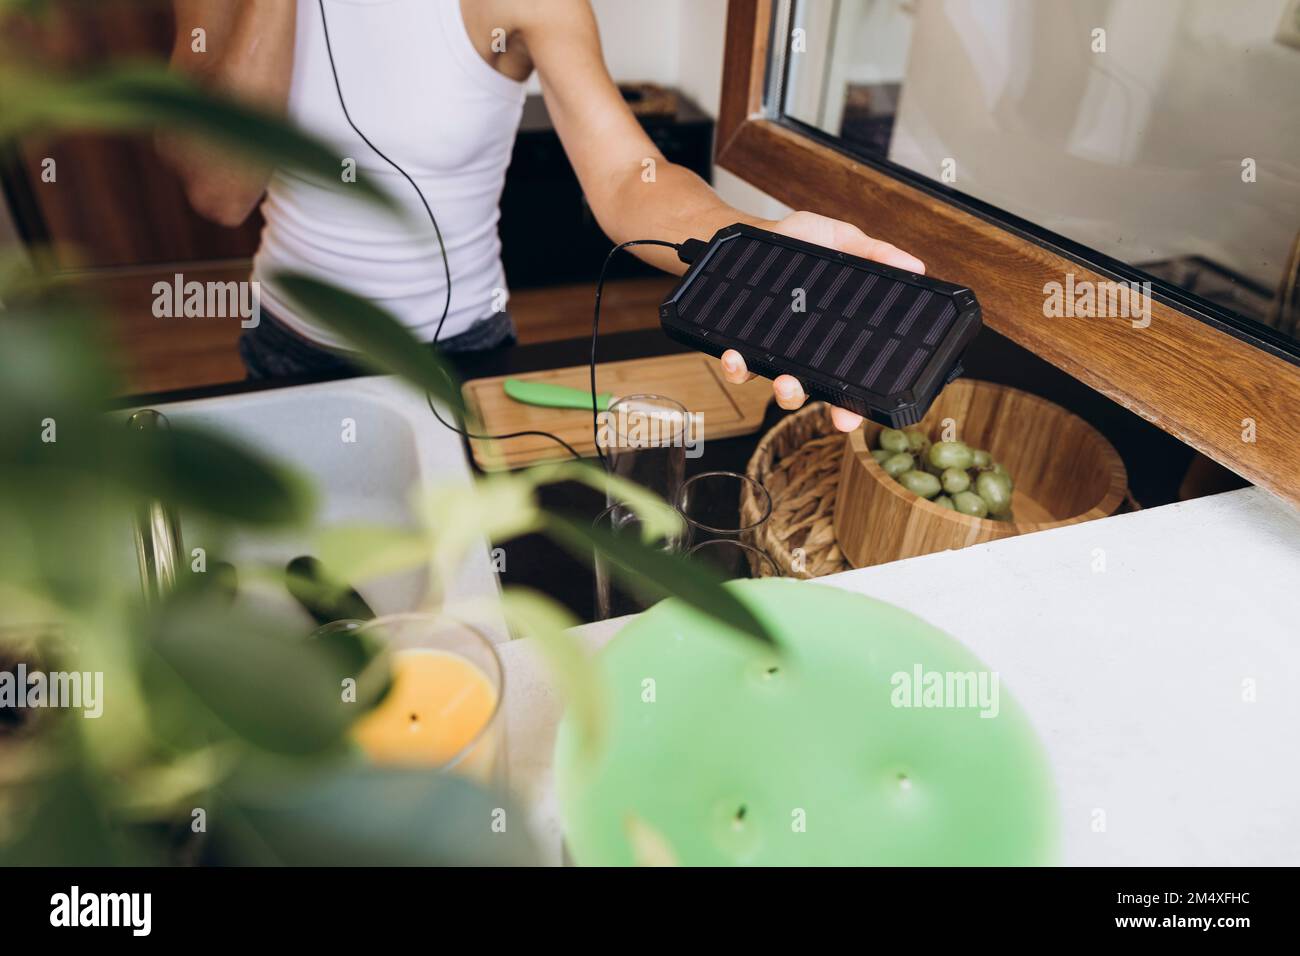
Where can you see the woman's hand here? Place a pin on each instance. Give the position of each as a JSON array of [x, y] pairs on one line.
[[610, 151], [833, 234]]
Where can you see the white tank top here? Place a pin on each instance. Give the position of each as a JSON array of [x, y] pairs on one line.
[[416, 86]]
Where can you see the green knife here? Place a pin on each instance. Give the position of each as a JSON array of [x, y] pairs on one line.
[[549, 395]]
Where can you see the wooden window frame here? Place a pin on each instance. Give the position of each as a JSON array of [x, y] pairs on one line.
[[1199, 384]]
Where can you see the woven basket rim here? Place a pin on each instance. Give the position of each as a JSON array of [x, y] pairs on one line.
[[768, 453]]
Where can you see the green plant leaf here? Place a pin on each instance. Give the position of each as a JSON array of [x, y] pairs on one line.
[[138, 96], [649, 570], [172, 788], [201, 470], [30, 8], [360, 552], [64, 821], [254, 674], [459, 516], [659, 520], [360, 815], [382, 343], [54, 360]]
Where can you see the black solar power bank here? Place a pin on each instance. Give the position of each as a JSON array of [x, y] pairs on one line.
[[876, 340]]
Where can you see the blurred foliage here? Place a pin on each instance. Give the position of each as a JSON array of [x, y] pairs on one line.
[[146, 96], [383, 344], [217, 707]]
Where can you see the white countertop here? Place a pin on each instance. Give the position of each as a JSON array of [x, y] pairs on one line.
[[1157, 654]]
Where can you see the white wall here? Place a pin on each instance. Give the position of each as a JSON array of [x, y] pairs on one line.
[[676, 43], [1136, 151], [701, 37], [639, 38]]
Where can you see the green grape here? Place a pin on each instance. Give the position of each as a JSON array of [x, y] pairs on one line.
[[954, 480], [951, 454], [896, 464], [917, 443], [880, 454], [943, 501], [999, 470], [995, 489], [891, 439], [981, 459], [969, 503], [918, 482]]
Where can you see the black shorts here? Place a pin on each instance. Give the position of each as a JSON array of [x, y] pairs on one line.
[[272, 350]]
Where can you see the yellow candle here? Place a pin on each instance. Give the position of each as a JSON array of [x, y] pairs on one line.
[[438, 704]]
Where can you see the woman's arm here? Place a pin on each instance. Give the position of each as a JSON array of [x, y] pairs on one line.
[[249, 55], [608, 149], [611, 153]]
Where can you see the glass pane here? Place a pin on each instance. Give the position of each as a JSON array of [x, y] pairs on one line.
[[1162, 133]]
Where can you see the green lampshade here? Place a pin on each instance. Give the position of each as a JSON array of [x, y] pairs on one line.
[[862, 743]]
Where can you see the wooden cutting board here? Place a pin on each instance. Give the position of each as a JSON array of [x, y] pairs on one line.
[[691, 378]]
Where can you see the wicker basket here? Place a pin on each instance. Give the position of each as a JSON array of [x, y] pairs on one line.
[[798, 462]]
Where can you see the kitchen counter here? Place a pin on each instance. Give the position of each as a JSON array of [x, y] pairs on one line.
[[1156, 653], [1156, 461], [1135, 676]]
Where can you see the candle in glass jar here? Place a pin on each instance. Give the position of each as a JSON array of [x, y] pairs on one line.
[[438, 704]]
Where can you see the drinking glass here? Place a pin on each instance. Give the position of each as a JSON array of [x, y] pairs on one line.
[[735, 559], [709, 504], [445, 708], [645, 437], [612, 599]]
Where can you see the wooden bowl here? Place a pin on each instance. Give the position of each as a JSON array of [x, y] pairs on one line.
[[1065, 472]]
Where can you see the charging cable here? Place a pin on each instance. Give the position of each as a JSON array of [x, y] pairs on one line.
[[682, 249]]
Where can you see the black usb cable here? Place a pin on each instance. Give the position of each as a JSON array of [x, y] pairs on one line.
[[682, 249]]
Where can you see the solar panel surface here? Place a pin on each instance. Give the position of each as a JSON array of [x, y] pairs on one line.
[[861, 335]]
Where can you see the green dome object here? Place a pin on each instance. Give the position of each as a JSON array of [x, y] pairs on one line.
[[860, 743]]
